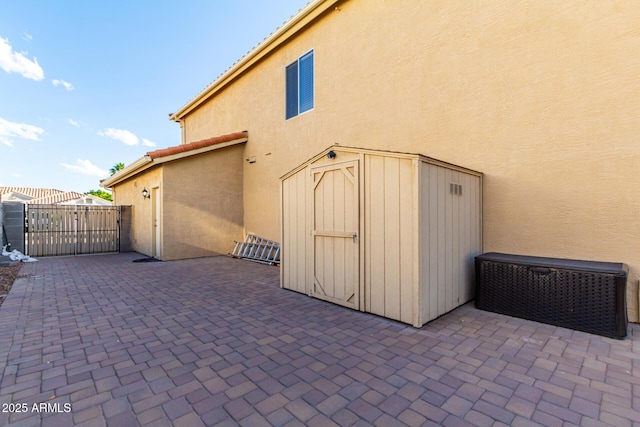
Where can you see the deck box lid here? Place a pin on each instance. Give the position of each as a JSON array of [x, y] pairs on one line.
[[616, 268]]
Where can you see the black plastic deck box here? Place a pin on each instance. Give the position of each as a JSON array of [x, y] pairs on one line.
[[587, 296]]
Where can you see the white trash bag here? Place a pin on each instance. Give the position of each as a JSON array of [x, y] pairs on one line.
[[16, 255]]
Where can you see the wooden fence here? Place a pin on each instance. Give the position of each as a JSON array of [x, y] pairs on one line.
[[71, 229]]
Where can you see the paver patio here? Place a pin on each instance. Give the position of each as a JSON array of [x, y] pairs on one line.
[[214, 341]]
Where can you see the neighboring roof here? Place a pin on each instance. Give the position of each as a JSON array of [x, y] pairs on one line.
[[299, 21], [174, 153], [33, 193], [53, 199], [43, 196]]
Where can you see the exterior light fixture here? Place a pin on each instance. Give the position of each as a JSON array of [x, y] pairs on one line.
[[331, 154], [145, 194]]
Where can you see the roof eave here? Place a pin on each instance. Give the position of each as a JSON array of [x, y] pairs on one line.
[[307, 14], [126, 173], [190, 153], [146, 162]]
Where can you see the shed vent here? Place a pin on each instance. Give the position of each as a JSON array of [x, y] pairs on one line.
[[455, 189]]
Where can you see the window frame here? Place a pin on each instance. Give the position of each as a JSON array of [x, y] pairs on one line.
[[297, 63]]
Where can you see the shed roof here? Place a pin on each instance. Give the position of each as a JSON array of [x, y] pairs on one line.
[[175, 152], [386, 153]]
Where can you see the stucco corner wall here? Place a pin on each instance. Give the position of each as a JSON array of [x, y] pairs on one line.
[[203, 210], [129, 192]]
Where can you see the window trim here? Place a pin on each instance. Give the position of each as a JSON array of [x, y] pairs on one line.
[[286, 86]]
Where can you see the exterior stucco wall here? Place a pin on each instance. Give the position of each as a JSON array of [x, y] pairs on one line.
[[540, 96], [130, 193], [202, 207]]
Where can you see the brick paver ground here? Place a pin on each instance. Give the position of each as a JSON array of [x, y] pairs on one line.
[[214, 341]]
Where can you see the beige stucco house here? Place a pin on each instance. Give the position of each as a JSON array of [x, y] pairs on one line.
[[542, 97]]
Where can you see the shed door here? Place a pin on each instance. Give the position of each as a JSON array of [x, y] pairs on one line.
[[335, 225]]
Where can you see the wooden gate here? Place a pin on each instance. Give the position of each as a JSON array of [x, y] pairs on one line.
[[71, 229], [335, 225]]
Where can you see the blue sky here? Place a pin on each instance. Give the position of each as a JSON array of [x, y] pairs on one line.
[[87, 84]]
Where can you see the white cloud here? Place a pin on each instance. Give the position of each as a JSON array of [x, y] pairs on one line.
[[148, 143], [17, 62], [26, 36], [120, 135], [68, 86], [85, 167], [10, 130], [74, 123]]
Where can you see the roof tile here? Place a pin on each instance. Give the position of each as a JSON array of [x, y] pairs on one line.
[[164, 152], [56, 198], [30, 191]]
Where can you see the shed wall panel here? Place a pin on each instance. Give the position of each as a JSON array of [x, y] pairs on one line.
[[287, 240], [389, 236], [465, 242], [430, 255], [449, 243], [375, 241], [468, 231], [295, 229], [451, 238], [391, 228], [441, 243], [408, 244]]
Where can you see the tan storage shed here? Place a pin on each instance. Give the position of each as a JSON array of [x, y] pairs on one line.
[[387, 233]]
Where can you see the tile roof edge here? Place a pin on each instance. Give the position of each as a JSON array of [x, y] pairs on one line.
[[170, 153], [192, 146]]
